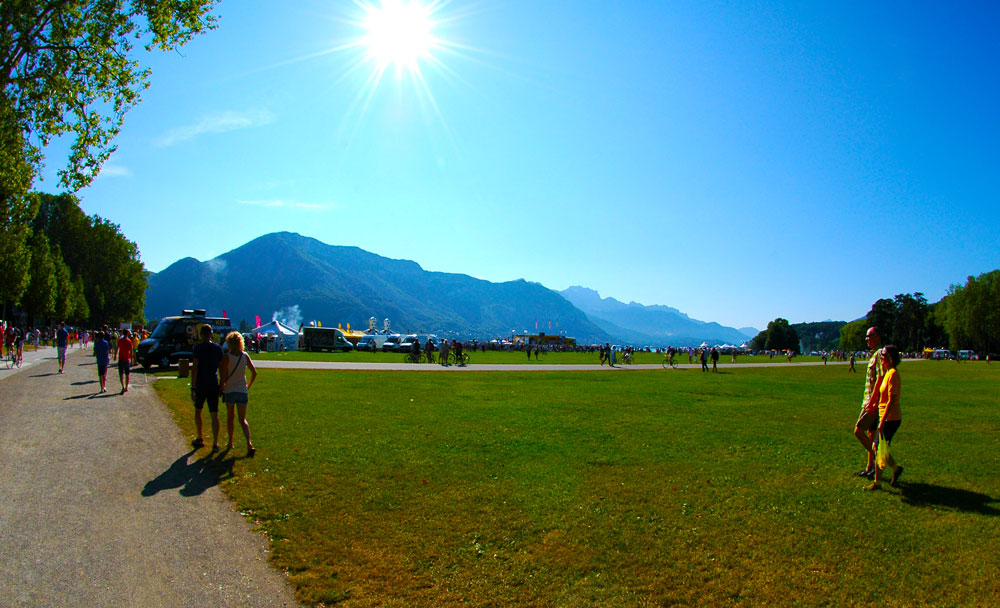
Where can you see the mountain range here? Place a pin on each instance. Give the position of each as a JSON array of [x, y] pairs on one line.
[[635, 323], [300, 279]]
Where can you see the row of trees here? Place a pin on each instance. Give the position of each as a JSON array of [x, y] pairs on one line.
[[67, 68], [970, 313], [78, 268], [968, 317]]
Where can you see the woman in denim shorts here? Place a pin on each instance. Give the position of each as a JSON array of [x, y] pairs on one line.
[[235, 387]]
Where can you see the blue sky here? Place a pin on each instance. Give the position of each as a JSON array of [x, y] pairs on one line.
[[737, 161]]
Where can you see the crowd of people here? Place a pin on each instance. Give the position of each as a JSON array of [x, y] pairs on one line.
[[217, 372]]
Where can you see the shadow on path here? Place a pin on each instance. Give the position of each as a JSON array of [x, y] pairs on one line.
[[193, 477], [927, 495]]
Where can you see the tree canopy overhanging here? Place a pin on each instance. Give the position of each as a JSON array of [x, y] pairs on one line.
[[67, 67]]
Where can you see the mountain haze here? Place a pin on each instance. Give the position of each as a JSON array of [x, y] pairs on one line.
[[335, 284], [654, 325]]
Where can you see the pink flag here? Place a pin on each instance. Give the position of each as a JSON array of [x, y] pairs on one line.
[[224, 313], [258, 321]]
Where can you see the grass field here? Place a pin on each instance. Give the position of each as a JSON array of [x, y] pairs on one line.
[[501, 358], [652, 488]]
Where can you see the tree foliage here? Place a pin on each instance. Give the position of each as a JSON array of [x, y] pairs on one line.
[[40, 297], [67, 67], [852, 335], [821, 335], [971, 313], [16, 209], [779, 335], [104, 280], [903, 321]]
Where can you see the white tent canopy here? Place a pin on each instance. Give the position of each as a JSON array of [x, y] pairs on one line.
[[288, 336]]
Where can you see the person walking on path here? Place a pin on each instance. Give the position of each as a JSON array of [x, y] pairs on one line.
[[715, 360], [889, 413], [866, 426], [235, 388], [124, 360], [117, 511], [851, 368], [62, 341], [102, 350], [206, 356], [704, 359]]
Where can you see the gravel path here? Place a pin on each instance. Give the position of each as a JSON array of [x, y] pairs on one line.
[[103, 504]]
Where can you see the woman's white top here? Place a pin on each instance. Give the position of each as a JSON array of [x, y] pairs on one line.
[[237, 382]]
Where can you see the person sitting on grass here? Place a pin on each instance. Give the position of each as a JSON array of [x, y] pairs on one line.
[[890, 415]]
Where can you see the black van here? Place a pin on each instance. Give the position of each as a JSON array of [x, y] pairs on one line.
[[174, 337]]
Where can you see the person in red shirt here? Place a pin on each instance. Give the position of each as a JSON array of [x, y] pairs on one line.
[[124, 359]]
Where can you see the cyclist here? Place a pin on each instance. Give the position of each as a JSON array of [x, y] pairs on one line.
[[19, 345], [458, 351], [429, 348], [415, 350], [444, 350]]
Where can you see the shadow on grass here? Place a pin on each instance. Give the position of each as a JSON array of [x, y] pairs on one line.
[[193, 477], [927, 495]]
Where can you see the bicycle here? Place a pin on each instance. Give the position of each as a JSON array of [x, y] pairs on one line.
[[668, 361], [454, 359], [413, 358], [9, 358]]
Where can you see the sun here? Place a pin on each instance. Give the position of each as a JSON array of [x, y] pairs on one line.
[[399, 34]]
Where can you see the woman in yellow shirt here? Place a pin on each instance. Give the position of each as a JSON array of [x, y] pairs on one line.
[[889, 414]]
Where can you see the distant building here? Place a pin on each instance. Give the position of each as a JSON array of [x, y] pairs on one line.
[[543, 339]]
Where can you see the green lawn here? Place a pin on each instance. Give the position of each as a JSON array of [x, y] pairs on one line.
[[501, 357], [650, 488]]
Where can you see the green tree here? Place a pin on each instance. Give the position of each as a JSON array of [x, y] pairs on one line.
[[68, 67], [116, 269], [114, 280], [16, 208], [779, 335], [40, 298], [882, 316], [79, 310], [910, 322], [852, 335], [64, 286], [972, 313]]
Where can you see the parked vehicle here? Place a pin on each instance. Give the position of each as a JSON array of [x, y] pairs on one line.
[[406, 344], [372, 342], [315, 339], [391, 343], [174, 337], [941, 354], [968, 355]]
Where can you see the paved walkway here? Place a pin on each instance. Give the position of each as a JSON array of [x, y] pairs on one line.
[[103, 504]]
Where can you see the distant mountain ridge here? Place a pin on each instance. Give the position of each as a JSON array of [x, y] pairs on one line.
[[302, 279], [654, 325], [335, 284]]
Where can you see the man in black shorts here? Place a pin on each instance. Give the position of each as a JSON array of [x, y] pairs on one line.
[[205, 384]]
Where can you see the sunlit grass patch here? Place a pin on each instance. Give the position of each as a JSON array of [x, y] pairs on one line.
[[648, 488]]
